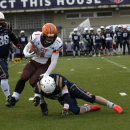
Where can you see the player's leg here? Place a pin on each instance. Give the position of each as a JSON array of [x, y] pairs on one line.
[[28, 70], [95, 49], [124, 47], [117, 42], [99, 51], [78, 50], [4, 78], [74, 50], [121, 46], [110, 46], [77, 92], [104, 46], [128, 46], [103, 101]]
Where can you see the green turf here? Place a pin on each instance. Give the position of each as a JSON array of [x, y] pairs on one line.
[[108, 82]]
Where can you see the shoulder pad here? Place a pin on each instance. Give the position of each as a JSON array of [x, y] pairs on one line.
[[8, 26]]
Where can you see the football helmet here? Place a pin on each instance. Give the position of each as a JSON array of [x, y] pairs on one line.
[[2, 19], [22, 32], [86, 29], [102, 27], [98, 31], [91, 29], [49, 33], [107, 28], [47, 84], [119, 26], [75, 30]]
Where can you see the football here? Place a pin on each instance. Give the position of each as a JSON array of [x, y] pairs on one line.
[[32, 48]]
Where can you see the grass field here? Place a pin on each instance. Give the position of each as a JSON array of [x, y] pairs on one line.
[[106, 77]]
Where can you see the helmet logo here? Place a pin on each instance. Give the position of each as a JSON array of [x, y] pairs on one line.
[[117, 1]]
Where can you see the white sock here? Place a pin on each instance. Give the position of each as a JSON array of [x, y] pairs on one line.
[[110, 104], [87, 108], [5, 87], [12, 56], [79, 53], [121, 50], [103, 51], [73, 53], [16, 95], [116, 50]]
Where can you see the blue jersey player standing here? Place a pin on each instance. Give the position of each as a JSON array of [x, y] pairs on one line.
[[6, 35], [57, 87]]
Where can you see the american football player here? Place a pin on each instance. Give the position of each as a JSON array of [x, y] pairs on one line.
[[92, 42], [6, 35], [48, 46], [86, 40], [57, 87], [118, 37], [125, 39], [76, 39], [23, 40], [109, 36], [98, 41], [103, 40]]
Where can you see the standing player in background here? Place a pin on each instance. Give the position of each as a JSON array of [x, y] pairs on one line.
[[103, 40], [86, 40], [98, 42], [91, 35], [76, 39], [118, 37], [11, 50], [125, 39], [42, 63], [109, 36], [6, 35], [23, 40], [57, 87]]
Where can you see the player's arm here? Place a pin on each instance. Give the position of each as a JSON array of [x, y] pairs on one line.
[[15, 41], [51, 67], [66, 96]]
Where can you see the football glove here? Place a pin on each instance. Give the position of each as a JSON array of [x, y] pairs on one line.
[[20, 46], [64, 112], [36, 101], [32, 54]]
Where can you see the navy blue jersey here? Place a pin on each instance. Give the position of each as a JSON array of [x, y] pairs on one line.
[[5, 33], [91, 35], [118, 34], [60, 81], [108, 34], [75, 38], [97, 38], [125, 35], [86, 36], [23, 40]]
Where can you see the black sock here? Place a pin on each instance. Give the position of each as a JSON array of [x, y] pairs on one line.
[[20, 86]]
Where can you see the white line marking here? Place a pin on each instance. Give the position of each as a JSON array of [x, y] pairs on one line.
[[31, 98], [71, 69], [68, 59], [11, 65], [123, 94], [98, 68], [115, 63], [19, 72], [124, 67]]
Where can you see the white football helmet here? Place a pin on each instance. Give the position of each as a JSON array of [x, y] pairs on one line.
[[86, 29], [107, 27], [75, 30], [47, 84], [2, 19], [91, 29], [119, 26], [125, 27], [22, 31], [98, 31], [102, 27]]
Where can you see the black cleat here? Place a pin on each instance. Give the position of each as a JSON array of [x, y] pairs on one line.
[[36, 101], [11, 102], [44, 109]]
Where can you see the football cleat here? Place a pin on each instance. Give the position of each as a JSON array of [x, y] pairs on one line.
[[44, 109], [64, 112], [104, 55], [108, 55], [36, 101], [118, 109], [11, 102], [93, 107]]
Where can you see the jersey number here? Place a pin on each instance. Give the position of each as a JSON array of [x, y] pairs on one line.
[[4, 40], [42, 54]]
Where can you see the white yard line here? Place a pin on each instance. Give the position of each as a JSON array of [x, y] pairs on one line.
[[11, 65], [116, 64]]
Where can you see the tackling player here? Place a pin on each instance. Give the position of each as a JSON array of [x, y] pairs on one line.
[[57, 87], [48, 46], [6, 35]]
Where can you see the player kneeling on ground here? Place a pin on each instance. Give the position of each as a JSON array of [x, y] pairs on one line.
[[57, 87]]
